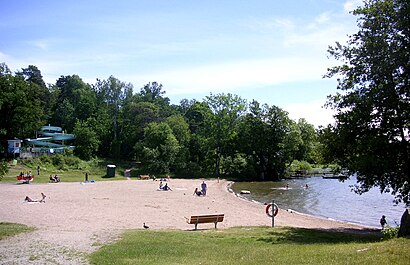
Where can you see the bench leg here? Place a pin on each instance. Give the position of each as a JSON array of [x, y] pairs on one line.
[[215, 224], [196, 225]]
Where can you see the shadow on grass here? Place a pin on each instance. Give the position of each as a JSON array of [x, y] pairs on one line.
[[294, 235]]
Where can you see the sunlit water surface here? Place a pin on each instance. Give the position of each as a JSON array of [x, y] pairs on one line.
[[327, 198]]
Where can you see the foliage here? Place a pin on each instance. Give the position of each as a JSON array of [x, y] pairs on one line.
[[72, 169], [21, 106], [219, 136], [222, 126], [3, 169], [251, 245], [86, 140], [371, 134], [58, 161], [390, 232], [160, 148], [300, 165]]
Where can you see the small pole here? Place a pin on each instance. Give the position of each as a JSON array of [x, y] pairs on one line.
[[273, 213]]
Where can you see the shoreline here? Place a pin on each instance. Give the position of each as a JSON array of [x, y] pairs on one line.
[[292, 211], [83, 217]]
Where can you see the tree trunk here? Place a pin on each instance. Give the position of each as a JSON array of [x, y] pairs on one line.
[[404, 230]]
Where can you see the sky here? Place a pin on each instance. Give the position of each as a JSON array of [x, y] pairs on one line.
[[274, 52]]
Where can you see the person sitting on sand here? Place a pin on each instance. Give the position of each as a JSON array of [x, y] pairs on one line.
[[197, 192], [57, 178], [166, 187], [160, 185], [52, 179]]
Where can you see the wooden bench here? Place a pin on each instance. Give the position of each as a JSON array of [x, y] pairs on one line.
[[201, 219]]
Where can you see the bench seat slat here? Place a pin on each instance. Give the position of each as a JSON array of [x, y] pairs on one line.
[[200, 219]]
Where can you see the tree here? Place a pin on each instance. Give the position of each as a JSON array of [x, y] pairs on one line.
[[371, 133], [111, 95], [159, 148], [223, 125], [86, 140], [265, 139], [180, 129], [75, 100], [21, 106]]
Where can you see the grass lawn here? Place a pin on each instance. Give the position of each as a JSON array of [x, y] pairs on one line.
[[10, 229], [252, 245], [96, 171]]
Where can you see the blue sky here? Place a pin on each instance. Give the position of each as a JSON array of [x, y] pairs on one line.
[[271, 51]]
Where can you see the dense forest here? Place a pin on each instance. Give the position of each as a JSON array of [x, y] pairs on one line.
[[222, 135]]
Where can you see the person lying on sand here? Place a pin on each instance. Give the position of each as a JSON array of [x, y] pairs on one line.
[[43, 199], [28, 199]]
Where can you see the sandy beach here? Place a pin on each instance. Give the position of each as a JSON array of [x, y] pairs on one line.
[[80, 217]]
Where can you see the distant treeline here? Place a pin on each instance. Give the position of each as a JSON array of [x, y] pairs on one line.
[[222, 135]]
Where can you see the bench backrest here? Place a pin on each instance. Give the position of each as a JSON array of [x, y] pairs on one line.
[[197, 219]]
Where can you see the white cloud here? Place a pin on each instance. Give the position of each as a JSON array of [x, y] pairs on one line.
[[235, 75], [323, 18], [351, 5], [313, 112]]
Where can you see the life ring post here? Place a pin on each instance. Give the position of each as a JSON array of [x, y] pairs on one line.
[[273, 215], [272, 210]]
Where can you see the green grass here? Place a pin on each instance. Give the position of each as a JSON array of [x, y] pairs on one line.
[[11, 229], [96, 170], [252, 245]]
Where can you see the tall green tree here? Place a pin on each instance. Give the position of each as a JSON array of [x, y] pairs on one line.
[[371, 134], [159, 148], [21, 106], [265, 139], [86, 139], [180, 129], [75, 100], [111, 95], [197, 114], [223, 125]]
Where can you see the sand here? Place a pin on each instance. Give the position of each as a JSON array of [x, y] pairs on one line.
[[77, 218]]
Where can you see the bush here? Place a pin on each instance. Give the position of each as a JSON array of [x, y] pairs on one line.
[[46, 160], [300, 165], [59, 161], [72, 162], [390, 232]]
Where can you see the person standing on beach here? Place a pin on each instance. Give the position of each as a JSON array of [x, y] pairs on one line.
[[203, 188], [383, 221]]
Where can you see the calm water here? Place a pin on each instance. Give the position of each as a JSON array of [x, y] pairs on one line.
[[327, 198]]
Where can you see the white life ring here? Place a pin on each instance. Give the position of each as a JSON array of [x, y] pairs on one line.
[[273, 211]]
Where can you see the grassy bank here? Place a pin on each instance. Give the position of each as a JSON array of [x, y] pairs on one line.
[[255, 245], [11, 229], [68, 168]]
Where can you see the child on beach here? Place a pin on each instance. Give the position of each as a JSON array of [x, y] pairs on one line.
[[383, 221], [197, 192]]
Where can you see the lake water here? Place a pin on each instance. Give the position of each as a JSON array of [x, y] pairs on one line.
[[328, 198]]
